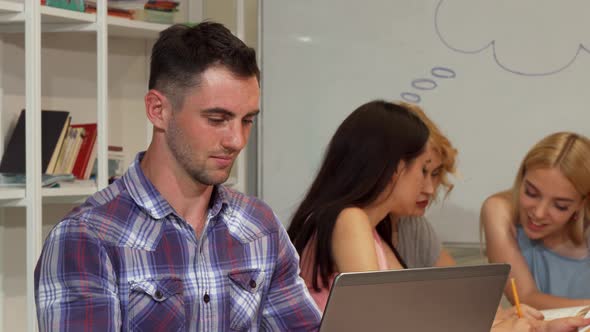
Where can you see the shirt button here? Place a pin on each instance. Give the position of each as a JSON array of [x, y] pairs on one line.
[[158, 295], [252, 283], [206, 298]]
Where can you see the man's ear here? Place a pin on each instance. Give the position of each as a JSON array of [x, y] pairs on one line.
[[157, 108]]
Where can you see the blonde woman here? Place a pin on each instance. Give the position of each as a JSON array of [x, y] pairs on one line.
[[418, 245], [539, 227]]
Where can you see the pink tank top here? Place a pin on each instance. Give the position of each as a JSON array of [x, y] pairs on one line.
[[307, 263]]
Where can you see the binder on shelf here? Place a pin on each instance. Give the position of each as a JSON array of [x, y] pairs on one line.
[[54, 125]]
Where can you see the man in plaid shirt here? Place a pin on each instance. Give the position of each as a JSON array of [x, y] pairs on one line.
[[167, 247]]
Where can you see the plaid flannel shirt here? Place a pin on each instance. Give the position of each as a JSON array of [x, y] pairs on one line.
[[126, 261]]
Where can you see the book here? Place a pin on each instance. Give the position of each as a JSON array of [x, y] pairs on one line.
[[87, 152], [73, 155], [91, 163], [11, 180], [48, 144], [580, 311], [65, 148], [54, 125], [76, 5]]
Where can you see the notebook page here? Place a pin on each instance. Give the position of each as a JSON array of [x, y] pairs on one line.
[[565, 312]]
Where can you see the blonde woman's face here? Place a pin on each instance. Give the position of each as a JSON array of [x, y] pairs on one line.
[[548, 201]]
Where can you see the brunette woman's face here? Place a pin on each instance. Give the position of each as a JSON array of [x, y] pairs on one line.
[[410, 181], [548, 201]]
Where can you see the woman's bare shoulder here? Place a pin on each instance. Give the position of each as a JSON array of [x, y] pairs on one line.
[[497, 209], [501, 201], [353, 219]]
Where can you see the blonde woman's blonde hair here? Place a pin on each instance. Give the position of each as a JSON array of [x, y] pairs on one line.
[[441, 144], [570, 153]]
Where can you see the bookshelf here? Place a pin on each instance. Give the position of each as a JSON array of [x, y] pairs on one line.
[[52, 15], [70, 195], [38, 33], [120, 27], [12, 197], [10, 7]]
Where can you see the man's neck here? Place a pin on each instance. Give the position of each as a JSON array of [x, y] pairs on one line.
[[189, 198]]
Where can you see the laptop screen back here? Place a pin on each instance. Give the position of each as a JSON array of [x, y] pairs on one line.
[[458, 299]]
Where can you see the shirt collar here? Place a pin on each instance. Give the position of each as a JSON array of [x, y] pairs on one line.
[[146, 196]]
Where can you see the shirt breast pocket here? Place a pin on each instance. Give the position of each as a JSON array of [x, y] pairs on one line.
[[245, 297], [157, 305]]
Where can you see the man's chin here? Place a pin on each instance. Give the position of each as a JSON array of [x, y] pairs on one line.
[[213, 180]]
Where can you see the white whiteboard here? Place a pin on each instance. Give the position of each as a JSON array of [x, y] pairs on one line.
[[495, 75]]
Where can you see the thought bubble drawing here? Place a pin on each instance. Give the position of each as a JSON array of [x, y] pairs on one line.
[[425, 84], [527, 37]]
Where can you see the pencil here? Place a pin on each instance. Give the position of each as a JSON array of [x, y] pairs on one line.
[[516, 300]]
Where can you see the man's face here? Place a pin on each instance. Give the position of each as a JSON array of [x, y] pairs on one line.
[[213, 124]]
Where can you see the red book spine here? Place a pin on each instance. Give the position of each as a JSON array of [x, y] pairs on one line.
[[85, 149]]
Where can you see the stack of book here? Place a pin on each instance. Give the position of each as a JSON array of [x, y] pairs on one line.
[[65, 148], [120, 8], [152, 11], [161, 11], [76, 5]]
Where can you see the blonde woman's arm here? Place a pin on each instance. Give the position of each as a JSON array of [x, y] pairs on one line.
[[445, 259], [569, 324]]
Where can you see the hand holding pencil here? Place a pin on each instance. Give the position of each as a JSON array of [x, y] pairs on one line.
[[516, 299]]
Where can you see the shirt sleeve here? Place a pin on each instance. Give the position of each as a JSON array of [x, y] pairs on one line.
[[288, 306], [75, 286], [432, 242], [418, 245]]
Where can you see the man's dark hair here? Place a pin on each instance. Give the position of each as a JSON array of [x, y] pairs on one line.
[[182, 53]]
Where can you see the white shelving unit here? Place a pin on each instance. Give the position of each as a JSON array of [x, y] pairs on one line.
[[9, 7], [28, 17], [12, 197], [121, 27]]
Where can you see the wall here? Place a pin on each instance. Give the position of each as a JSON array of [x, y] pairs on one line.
[[496, 77], [224, 11]]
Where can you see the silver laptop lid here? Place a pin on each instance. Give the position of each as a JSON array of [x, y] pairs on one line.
[[457, 299]]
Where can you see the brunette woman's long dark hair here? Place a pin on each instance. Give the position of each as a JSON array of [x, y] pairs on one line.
[[359, 162]]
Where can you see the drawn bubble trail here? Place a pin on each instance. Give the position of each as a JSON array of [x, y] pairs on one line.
[[427, 84]]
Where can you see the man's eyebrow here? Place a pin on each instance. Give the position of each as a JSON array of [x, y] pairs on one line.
[[253, 113], [217, 111], [225, 112]]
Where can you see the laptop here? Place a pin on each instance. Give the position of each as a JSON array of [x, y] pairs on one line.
[[457, 299]]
